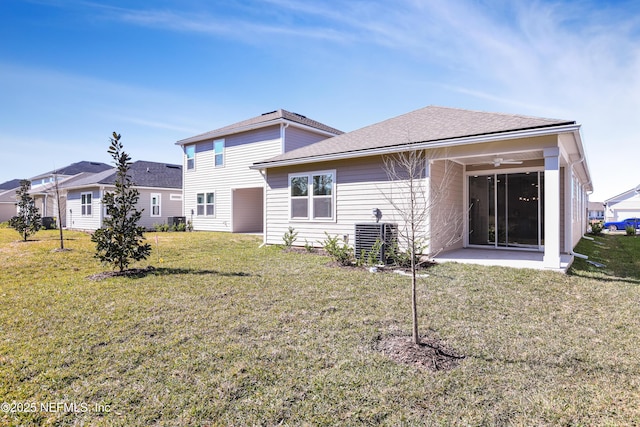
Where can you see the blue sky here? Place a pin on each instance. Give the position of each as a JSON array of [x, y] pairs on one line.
[[72, 72]]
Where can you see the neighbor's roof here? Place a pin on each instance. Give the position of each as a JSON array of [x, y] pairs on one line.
[[427, 125], [76, 168], [142, 174], [264, 120], [622, 196], [9, 185]]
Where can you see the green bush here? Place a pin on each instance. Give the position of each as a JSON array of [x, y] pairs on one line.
[[630, 230], [339, 249], [181, 226], [161, 228], [290, 236], [596, 228]]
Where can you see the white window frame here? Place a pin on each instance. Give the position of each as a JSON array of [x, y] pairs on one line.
[[192, 159], [159, 204], [86, 209], [205, 204], [311, 198], [217, 143]]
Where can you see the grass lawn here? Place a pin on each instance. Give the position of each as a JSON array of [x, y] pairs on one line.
[[223, 332]]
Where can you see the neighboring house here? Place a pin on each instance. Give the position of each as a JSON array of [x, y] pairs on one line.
[[221, 192], [596, 212], [159, 184], [8, 208], [622, 206], [518, 182], [43, 186]]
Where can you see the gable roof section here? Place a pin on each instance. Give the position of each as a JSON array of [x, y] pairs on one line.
[[76, 168], [142, 174], [264, 120], [635, 191], [426, 126]]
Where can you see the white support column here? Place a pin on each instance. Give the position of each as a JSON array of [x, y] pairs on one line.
[[551, 208]]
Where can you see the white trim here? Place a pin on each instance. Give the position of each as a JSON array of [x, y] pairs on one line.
[[186, 157], [426, 145], [246, 128], [310, 197], [159, 196], [84, 205], [223, 154]]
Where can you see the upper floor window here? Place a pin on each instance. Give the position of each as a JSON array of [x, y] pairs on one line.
[[218, 150], [85, 203], [312, 195], [155, 205], [190, 152]]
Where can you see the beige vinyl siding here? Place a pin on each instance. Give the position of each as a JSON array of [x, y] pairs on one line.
[[241, 151], [447, 211], [7, 211], [296, 138], [247, 210], [361, 186], [75, 219], [168, 207], [564, 208]]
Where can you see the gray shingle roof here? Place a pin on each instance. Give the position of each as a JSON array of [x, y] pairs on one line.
[[429, 124], [76, 168], [266, 119], [142, 174], [9, 185]]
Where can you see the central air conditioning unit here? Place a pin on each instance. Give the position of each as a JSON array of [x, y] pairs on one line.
[[367, 234]]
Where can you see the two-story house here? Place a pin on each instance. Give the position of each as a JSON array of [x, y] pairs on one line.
[[221, 192]]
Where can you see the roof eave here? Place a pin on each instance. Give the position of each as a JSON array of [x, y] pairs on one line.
[[444, 143], [246, 128]]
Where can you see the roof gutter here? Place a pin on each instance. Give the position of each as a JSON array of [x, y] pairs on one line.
[[246, 128], [445, 143]]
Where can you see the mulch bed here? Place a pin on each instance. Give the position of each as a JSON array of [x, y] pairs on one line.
[[431, 354]]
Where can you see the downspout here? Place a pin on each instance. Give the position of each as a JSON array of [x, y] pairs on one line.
[[283, 147]]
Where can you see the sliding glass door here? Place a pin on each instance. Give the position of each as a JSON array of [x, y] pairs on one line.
[[506, 210]]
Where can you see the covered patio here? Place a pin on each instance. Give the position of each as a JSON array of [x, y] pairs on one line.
[[503, 258]]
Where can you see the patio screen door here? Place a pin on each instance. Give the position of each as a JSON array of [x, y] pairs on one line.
[[507, 210]]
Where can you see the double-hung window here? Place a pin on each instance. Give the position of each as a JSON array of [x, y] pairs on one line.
[[155, 205], [190, 152], [312, 196], [205, 204], [218, 150], [85, 203]]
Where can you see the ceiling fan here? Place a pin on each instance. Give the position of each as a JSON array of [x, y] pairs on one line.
[[497, 161]]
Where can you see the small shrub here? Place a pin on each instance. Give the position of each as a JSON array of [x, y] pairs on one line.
[[181, 226], [402, 258], [338, 249], [371, 258], [189, 226], [631, 231], [596, 228], [161, 228], [309, 246], [290, 236], [4, 224]]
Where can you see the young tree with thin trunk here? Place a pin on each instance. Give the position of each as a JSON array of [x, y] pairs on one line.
[[415, 198], [28, 221], [120, 239], [56, 192]]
